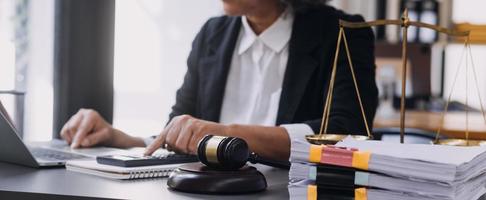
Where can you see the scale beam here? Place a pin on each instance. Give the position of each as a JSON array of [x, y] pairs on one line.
[[385, 22]]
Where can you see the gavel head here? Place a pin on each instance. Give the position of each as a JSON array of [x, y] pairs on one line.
[[223, 153]]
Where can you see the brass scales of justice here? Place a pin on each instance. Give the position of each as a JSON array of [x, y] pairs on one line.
[[324, 138]]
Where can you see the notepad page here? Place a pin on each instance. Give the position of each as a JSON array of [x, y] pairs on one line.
[[93, 165]]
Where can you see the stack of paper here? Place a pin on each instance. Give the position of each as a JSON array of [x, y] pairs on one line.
[[378, 170]]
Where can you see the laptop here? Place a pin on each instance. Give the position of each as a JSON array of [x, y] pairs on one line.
[[41, 154]]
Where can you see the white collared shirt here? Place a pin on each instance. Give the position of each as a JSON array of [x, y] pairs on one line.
[[255, 78], [254, 85]]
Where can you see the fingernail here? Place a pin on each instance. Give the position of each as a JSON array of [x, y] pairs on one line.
[[74, 145], [85, 142], [148, 151]]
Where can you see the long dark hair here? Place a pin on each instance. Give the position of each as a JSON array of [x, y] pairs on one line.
[[299, 5]]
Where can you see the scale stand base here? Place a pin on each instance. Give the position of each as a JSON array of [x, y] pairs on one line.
[[198, 178]]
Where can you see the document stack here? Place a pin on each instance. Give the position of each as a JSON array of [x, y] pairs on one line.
[[374, 170]]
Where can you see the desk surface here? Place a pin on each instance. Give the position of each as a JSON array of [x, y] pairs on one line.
[[17, 182], [454, 124]]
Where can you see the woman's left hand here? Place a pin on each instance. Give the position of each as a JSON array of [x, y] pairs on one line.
[[183, 133]]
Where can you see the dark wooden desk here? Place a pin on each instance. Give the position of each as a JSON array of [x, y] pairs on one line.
[[454, 123], [17, 182]]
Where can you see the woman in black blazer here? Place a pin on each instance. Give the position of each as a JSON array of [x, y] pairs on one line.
[[311, 51]]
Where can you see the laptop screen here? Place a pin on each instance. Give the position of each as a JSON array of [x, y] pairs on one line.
[[5, 115]]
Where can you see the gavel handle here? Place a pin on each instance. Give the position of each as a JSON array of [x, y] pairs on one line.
[[254, 158]]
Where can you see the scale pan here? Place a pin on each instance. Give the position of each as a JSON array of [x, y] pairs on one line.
[[331, 139], [461, 142]]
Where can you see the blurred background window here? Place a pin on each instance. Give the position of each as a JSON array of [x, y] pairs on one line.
[[7, 53], [26, 56], [152, 41]]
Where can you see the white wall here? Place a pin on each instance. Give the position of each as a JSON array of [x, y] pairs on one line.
[[453, 63], [367, 8]]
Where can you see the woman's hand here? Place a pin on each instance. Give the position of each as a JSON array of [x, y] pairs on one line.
[[183, 133], [87, 128]]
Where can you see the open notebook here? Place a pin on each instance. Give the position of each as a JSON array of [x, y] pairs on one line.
[[114, 172]]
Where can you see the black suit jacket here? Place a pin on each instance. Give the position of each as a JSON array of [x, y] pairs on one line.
[[311, 54]]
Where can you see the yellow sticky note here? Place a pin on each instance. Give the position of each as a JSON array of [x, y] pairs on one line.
[[360, 194], [361, 159], [315, 153], [311, 192]]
